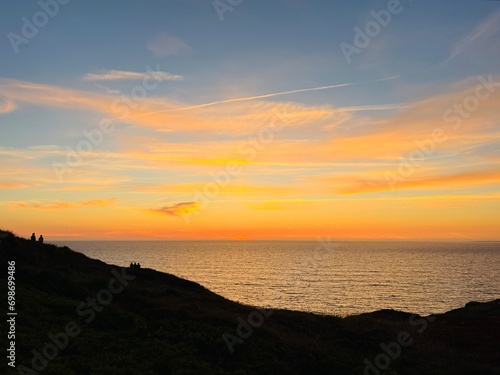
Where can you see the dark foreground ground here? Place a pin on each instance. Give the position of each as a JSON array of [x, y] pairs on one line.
[[81, 316]]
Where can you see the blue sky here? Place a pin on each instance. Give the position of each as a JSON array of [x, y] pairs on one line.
[[297, 36], [260, 47], [90, 53]]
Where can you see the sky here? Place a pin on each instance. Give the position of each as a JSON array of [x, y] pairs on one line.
[[285, 119]]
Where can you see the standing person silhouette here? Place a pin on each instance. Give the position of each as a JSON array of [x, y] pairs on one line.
[[40, 239], [33, 237]]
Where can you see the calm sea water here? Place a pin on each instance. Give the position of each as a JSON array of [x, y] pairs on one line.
[[340, 278]]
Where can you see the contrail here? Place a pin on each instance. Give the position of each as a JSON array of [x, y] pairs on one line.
[[264, 96]]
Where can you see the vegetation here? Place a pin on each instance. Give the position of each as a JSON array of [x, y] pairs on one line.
[[160, 324]]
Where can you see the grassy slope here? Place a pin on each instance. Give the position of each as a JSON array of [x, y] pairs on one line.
[[161, 324]]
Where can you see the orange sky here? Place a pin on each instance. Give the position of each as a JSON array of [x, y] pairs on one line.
[[270, 166], [273, 179]]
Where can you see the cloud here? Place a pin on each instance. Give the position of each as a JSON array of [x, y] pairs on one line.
[[271, 95], [13, 185], [438, 181], [239, 190], [162, 114], [178, 209], [64, 205], [107, 89], [379, 142], [120, 75], [244, 116], [164, 45], [281, 204], [486, 29], [7, 106], [99, 202]]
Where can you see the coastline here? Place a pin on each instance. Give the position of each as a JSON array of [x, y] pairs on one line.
[[161, 324]]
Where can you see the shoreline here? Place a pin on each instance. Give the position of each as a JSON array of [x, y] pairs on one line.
[[128, 321]]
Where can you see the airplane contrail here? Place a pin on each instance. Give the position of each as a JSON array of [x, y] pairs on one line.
[[263, 96]]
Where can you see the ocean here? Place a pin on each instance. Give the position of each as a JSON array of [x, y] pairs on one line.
[[336, 278]]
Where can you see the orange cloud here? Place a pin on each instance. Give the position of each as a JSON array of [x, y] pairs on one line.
[[279, 205], [178, 209], [231, 189], [166, 115], [64, 205], [441, 181], [13, 185], [7, 106]]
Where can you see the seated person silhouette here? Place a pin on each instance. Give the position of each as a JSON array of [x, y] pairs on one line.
[[33, 237], [40, 239]]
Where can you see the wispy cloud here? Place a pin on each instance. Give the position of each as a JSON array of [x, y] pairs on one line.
[[13, 185], [64, 205], [487, 28], [271, 95], [164, 45], [178, 209], [232, 118], [7, 106], [120, 75], [438, 181], [282, 204], [107, 90]]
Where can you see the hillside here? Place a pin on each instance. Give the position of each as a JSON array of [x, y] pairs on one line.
[[79, 316]]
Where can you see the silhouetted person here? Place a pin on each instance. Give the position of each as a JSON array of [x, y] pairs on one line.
[[33, 237], [131, 265], [138, 265], [40, 239]]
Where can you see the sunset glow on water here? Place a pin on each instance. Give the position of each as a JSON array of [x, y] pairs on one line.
[[339, 278]]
